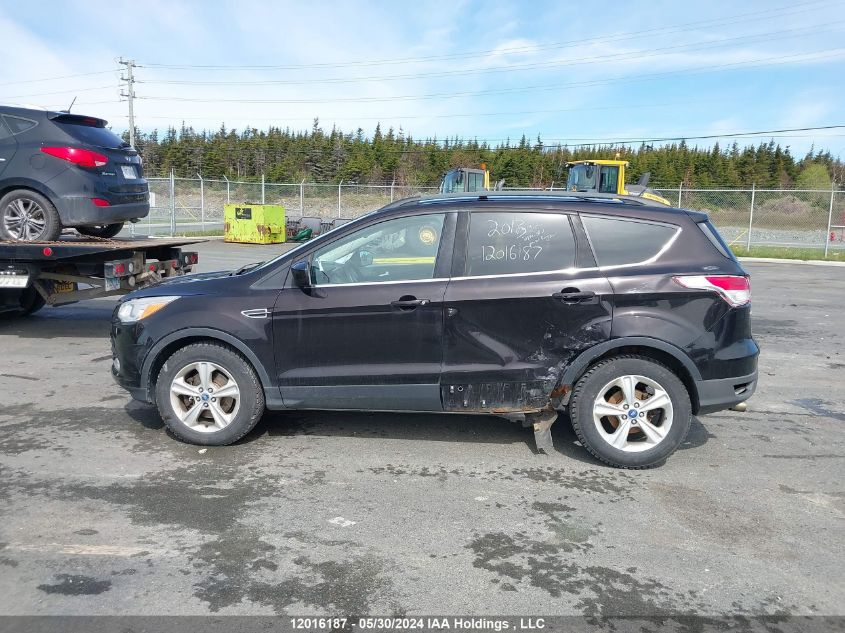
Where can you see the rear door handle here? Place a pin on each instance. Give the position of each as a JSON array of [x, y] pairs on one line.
[[409, 304], [575, 296]]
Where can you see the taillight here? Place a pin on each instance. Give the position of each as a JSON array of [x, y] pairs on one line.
[[80, 157], [735, 289], [99, 202]]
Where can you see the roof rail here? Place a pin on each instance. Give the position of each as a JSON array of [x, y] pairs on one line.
[[576, 196]]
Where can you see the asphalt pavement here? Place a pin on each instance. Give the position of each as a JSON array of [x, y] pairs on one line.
[[103, 512]]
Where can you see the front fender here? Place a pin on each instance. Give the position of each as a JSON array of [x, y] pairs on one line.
[[186, 334]]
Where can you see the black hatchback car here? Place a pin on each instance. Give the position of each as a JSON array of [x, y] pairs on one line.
[[629, 316], [65, 170]]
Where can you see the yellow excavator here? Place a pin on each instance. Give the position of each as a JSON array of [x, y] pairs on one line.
[[608, 176]]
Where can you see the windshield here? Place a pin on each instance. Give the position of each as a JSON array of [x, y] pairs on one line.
[[452, 182], [581, 178]]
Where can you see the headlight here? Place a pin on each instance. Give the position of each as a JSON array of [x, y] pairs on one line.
[[137, 309]]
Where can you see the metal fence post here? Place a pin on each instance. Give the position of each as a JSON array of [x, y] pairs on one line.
[[262, 188], [302, 198], [680, 192], [392, 184], [750, 217], [172, 203], [340, 184], [202, 202], [829, 220], [228, 197]]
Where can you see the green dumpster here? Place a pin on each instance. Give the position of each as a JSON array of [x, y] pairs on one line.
[[254, 223]]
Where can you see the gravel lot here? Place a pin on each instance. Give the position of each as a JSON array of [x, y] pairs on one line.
[[336, 513]]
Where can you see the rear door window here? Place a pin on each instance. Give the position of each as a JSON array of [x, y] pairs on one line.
[[620, 241], [505, 243]]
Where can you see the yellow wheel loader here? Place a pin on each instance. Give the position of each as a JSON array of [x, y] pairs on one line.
[[608, 176], [461, 179]]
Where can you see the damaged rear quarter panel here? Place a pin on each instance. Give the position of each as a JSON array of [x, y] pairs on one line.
[[507, 340]]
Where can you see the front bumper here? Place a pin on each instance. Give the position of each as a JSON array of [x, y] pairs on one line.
[[723, 393], [82, 211], [128, 356]]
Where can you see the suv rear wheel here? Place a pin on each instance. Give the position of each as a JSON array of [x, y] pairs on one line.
[[104, 230], [630, 411], [209, 394], [27, 216]]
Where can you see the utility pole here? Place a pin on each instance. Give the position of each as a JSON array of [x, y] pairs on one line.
[[130, 95]]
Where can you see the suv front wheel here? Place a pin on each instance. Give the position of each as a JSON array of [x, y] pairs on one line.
[[630, 411], [209, 394]]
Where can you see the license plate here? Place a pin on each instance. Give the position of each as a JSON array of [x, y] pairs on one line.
[[128, 172], [112, 283], [14, 281], [64, 286]]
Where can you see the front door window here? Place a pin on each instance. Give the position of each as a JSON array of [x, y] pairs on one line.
[[402, 249]]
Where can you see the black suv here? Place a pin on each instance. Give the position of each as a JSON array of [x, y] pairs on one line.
[[65, 170], [629, 316]]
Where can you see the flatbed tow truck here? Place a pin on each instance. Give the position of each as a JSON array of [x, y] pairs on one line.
[[73, 268]]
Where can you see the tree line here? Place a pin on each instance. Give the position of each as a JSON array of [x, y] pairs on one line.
[[286, 155]]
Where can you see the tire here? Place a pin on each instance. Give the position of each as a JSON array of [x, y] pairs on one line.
[[40, 221], [29, 301], [104, 231], [649, 436], [218, 423]]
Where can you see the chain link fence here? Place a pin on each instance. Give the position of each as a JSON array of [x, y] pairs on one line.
[[796, 218], [745, 217]]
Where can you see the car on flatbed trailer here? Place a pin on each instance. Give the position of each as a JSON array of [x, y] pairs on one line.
[[33, 275], [61, 170]]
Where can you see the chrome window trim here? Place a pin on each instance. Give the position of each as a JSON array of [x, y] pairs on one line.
[[383, 283]]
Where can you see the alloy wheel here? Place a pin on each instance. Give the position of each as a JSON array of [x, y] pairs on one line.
[[24, 219], [633, 413], [205, 397]]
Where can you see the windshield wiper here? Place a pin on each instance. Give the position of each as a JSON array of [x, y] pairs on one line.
[[245, 268]]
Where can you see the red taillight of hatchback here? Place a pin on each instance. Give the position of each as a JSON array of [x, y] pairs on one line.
[[735, 289], [80, 157]]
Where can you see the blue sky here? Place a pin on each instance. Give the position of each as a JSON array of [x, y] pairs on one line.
[[568, 71]]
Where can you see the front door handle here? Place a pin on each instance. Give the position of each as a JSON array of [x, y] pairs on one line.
[[409, 303], [573, 295]]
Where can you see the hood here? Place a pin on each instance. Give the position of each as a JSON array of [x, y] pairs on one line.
[[193, 284]]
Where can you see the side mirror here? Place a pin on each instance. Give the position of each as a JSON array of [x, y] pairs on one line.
[[301, 272], [365, 258], [643, 181]]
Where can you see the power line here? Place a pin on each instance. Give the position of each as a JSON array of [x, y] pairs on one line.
[[542, 87], [59, 92], [665, 104], [30, 81], [626, 56], [741, 17]]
